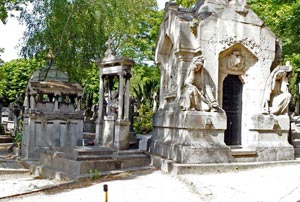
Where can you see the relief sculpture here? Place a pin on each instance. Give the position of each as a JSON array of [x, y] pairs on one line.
[[277, 97]]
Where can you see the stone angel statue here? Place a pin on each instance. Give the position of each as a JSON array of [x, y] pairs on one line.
[[197, 94], [276, 96]]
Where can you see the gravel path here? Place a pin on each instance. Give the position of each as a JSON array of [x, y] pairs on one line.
[[277, 184], [273, 184], [148, 187], [12, 184]]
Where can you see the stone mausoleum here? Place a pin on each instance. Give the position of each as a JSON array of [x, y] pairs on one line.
[[223, 94], [52, 115]]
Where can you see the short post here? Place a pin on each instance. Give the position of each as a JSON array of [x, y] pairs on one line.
[[105, 189]]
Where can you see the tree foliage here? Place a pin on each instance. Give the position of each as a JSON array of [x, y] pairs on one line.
[[76, 31], [283, 18], [186, 3], [1, 61], [15, 76], [8, 5]]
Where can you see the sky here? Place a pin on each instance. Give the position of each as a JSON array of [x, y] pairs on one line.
[[12, 31]]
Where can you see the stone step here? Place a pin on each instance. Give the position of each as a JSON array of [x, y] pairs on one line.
[[241, 155], [131, 156], [296, 142], [65, 176], [296, 127], [93, 157], [87, 160], [136, 162], [93, 151], [297, 152], [6, 139], [129, 152]]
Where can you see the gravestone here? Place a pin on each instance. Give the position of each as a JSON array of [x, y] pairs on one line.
[[221, 86]]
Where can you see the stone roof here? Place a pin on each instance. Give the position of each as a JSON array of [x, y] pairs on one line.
[[49, 74], [49, 87]]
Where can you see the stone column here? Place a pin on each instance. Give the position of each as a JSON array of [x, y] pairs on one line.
[[78, 103], [100, 108], [121, 97], [126, 110], [33, 102], [101, 97], [26, 103], [162, 87], [56, 103]]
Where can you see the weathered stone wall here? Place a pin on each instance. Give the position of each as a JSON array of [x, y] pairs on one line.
[[233, 40]]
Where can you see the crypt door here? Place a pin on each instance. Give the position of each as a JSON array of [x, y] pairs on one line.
[[232, 104]]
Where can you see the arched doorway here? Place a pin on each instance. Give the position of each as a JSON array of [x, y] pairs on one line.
[[232, 104]]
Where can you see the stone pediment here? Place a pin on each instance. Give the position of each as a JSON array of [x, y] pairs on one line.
[[236, 60], [249, 17], [234, 10]]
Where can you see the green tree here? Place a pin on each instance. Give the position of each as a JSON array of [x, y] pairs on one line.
[[15, 76], [76, 31], [8, 5], [1, 61], [283, 18], [186, 3]]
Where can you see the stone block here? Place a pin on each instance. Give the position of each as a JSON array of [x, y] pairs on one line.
[[121, 135], [108, 131]]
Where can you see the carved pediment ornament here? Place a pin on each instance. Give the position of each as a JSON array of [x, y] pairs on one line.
[[236, 60], [249, 43]]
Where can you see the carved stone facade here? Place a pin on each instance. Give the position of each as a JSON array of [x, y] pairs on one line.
[[239, 53]]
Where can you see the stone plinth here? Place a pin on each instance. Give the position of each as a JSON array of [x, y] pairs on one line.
[[115, 133], [190, 137], [122, 134], [270, 137], [108, 131], [44, 131]]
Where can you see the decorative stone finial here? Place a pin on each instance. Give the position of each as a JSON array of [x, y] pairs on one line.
[[110, 53], [50, 58]]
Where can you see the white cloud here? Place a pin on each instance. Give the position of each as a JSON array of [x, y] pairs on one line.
[[10, 34]]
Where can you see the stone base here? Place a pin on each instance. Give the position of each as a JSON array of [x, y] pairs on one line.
[[191, 154], [122, 135], [275, 153], [271, 137], [190, 137], [45, 131], [78, 162]]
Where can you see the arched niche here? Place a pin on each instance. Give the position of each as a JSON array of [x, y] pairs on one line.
[[166, 58], [235, 60]]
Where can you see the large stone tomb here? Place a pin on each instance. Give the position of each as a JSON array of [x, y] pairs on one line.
[[52, 115], [221, 86]]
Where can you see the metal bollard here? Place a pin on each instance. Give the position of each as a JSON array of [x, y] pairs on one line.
[[105, 189]]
